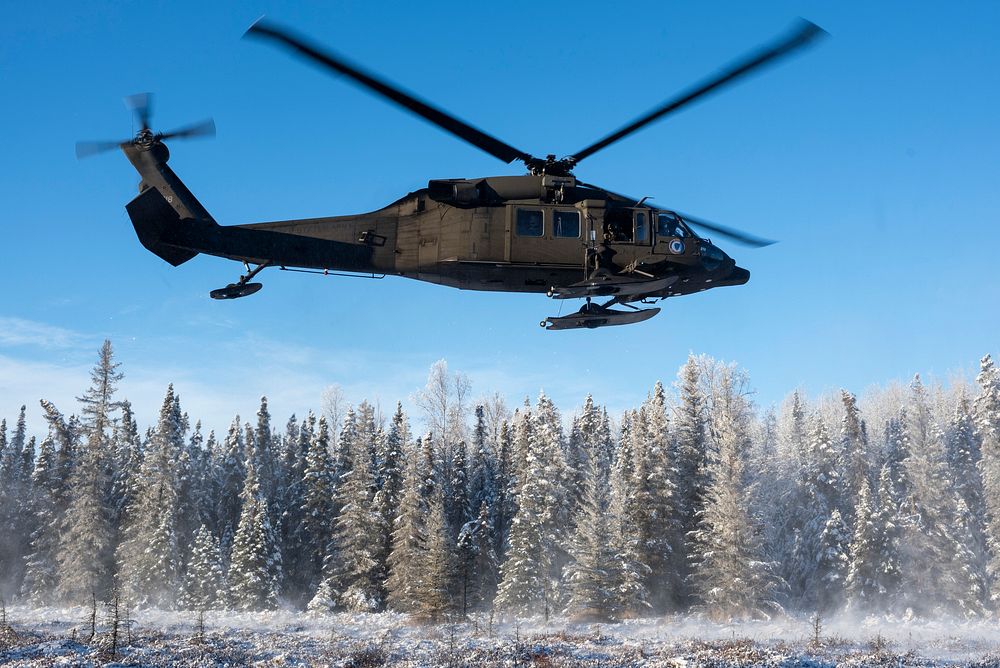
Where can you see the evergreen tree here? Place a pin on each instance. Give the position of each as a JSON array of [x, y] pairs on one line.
[[40, 569], [357, 570], [591, 575], [230, 474], [691, 461], [205, 580], [862, 585], [149, 556], [256, 559], [833, 564], [631, 572], [930, 541], [437, 563], [16, 462], [476, 563], [819, 495], [389, 479], [730, 575], [853, 471], [409, 537], [317, 506], [531, 570], [987, 415], [655, 499]]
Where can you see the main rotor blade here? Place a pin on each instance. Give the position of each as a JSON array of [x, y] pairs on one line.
[[85, 149], [205, 128], [142, 105], [442, 119], [738, 236], [803, 35]]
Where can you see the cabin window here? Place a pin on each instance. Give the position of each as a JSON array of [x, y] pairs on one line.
[[641, 228], [618, 226], [566, 224], [529, 223]]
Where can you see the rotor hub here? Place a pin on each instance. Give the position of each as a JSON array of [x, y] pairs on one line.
[[145, 139]]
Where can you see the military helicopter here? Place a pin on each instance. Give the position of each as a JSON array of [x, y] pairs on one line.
[[543, 232]]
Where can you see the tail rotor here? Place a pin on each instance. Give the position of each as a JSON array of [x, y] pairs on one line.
[[141, 105]]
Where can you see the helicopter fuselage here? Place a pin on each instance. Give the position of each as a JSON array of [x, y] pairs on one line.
[[527, 233]]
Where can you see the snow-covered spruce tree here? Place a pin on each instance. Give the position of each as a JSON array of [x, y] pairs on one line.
[[205, 580], [476, 564], [229, 464], [819, 495], [591, 575], [691, 461], [655, 489], [192, 507], [987, 411], [930, 541], [409, 536], [268, 462], [730, 577], [785, 511], [16, 462], [483, 469], [148, 557], [357, 570], [457, 502], [888, 524], [833, 563], [506, 492], [40, 568], [966, 582], [85, 552], [317, 508], [435, 597], [294, 543], [631, 572], [590, 433], [531, 570], [853, 455], [964, 456], [863, 590], [390, 465], [127, 448], [254, 566]]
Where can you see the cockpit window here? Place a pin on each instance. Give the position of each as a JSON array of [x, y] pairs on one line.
[[529, 223], [669, 225]]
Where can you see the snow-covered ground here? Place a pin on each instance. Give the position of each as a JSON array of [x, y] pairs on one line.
[[60, 636]]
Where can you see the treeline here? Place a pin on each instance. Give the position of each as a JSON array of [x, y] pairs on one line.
[[692, 501]]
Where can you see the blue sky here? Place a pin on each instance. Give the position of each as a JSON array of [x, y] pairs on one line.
[[874, 158]]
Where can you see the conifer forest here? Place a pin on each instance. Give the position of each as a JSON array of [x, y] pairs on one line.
[[696, 503]]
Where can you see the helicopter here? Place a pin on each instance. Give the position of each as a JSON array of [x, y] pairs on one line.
[[541, 232]]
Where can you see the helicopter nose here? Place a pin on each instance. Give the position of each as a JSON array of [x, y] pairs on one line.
[[739, 276]]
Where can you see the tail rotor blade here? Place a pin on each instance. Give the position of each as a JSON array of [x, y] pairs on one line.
[[85, 149], [205, 128], [142, 105]]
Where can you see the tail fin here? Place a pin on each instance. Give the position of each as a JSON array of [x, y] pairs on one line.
[[152, 216]]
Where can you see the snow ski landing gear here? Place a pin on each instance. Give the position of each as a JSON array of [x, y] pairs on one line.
[[240, 288], [602, 284], [592, 316]]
